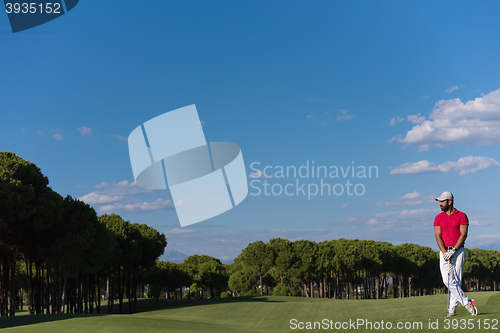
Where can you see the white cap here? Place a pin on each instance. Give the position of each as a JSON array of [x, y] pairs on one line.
[[445, 196]]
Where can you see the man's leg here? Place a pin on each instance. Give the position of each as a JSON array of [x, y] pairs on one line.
[[457, 294], [459, 259], [447, 279], [458, 265], [457, 271]]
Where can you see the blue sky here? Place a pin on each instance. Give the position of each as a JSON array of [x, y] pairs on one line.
[[409, 87]]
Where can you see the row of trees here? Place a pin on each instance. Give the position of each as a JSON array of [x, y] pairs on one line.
[[204, 277], [353, 268], [482, 270], [60, 252], [335, 269], [342, 269]]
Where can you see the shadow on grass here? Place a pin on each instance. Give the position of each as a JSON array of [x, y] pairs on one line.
[[7, 322], [143, 305]]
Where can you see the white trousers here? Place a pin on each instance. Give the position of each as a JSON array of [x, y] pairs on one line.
[[455, 277]]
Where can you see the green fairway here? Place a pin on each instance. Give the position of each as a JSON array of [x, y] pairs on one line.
[[273, 314]]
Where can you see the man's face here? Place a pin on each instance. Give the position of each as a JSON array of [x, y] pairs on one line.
[[445, 204]]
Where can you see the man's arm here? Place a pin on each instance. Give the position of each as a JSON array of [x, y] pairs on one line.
[[464, 228], [439, 238]]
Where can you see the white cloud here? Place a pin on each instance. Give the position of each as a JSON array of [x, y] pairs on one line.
[[41, 133], [345, 205], [118, 198], [313, 99], [58, 136], [412, 195], [84, 131], [470, 164], [345, 115], [309, 117], [412, 168], [416, 119], [395, 121], [476, 122], [425, 97], [119, 137], [136, 207], [123, 183], [451, 89], [122, 188], [409, 199], [465, 165], [96, 198]]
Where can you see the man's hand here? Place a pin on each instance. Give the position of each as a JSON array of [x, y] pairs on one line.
[[447, 256]]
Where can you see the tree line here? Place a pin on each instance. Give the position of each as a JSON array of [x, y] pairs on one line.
[[57, 255], [340, 269], [347, 269]]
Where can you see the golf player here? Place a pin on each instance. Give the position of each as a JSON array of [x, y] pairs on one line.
[[450, 228]]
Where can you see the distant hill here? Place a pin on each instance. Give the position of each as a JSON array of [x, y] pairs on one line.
[[173, 255]]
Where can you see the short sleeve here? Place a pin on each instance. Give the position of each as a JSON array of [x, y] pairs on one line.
[[437, 221], [464, 219]]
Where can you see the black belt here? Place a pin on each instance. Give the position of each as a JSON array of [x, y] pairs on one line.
[[449, 247]]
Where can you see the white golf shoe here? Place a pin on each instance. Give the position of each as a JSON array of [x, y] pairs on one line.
[[471, 307]]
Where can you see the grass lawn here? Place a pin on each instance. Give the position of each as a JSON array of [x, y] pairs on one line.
[[271, 314]]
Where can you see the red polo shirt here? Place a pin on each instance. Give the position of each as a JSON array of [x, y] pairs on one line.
[[450, 225]]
